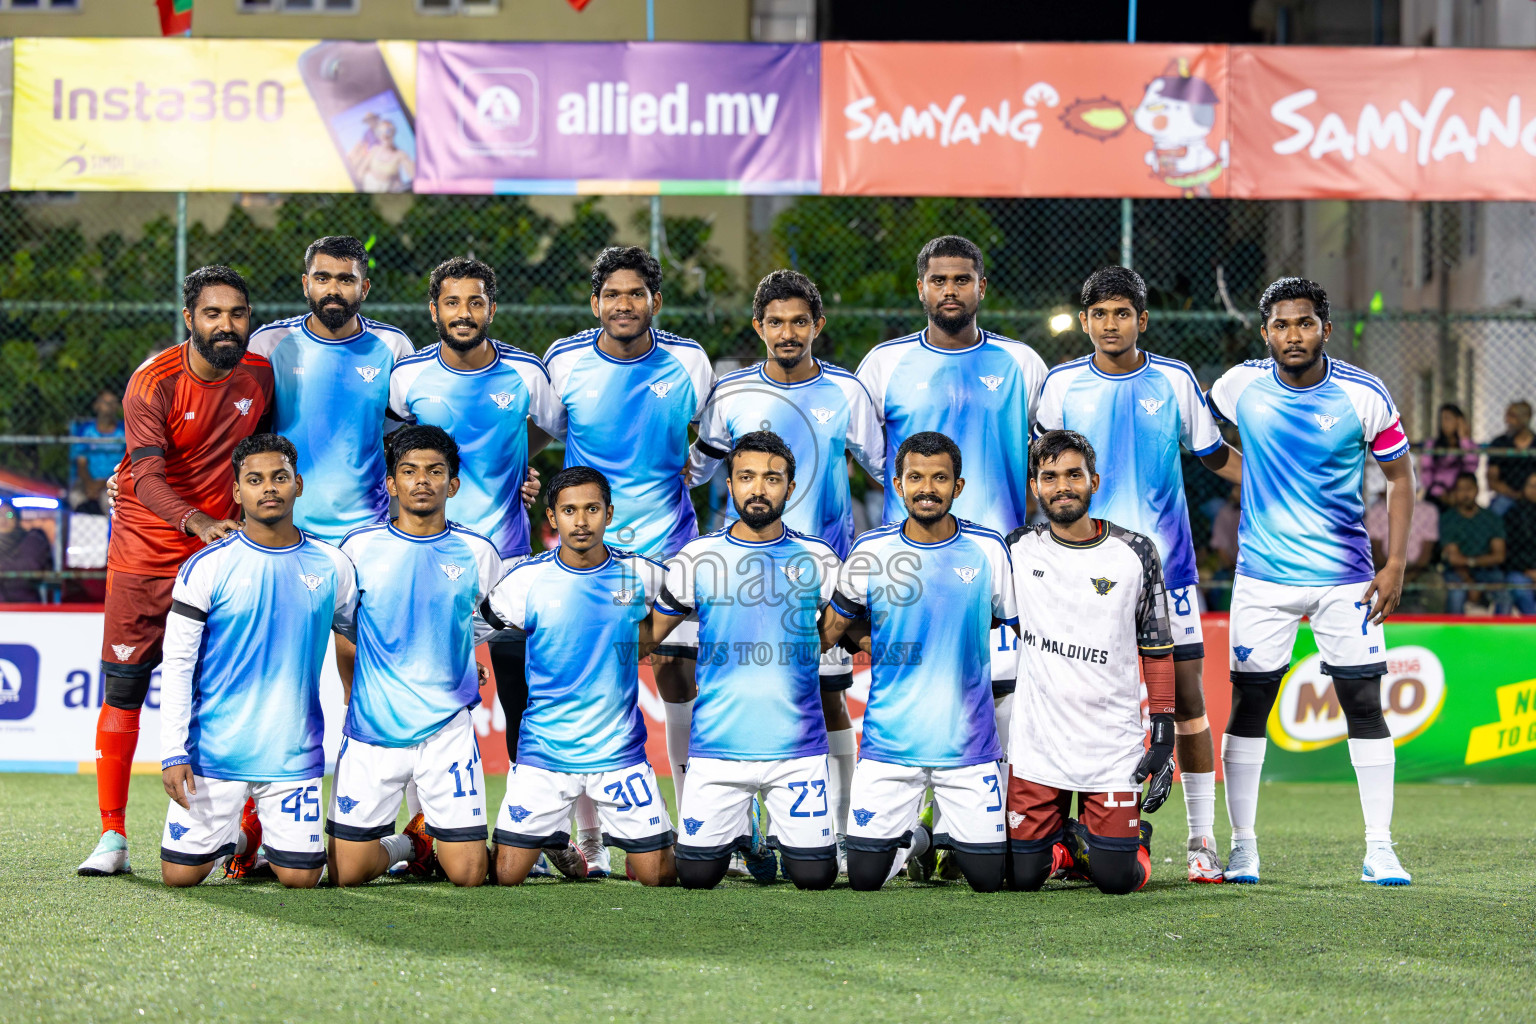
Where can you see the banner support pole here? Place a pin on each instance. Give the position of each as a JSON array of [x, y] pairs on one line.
[[1125, 203], [181, 261], [650, 37]]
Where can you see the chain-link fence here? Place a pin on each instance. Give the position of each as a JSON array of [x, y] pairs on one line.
[[90, 287]]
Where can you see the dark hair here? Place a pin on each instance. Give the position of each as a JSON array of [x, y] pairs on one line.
[[786, 284], [421, 437], [762, 441], [256, 444], [340, 247], [928, 442], [626, 257], [1441, 440], [1115, 283], [1294, 288], [1053, 444], [953, 246], [1464, 475], [575, 476], [460, 267], [203, 277]]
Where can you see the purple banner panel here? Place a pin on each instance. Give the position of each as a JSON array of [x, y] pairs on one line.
[[708, 118]]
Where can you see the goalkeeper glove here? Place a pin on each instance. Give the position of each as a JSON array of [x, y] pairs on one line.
[[1157, 763]]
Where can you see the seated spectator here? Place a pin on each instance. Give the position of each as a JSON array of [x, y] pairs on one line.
[[1423, 533], [1520, 548], [22, 549], [1438, 472], [1471, 546], [1507, 473], [91, 464]]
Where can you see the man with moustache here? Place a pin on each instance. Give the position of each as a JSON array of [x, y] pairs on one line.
[[184, 412]]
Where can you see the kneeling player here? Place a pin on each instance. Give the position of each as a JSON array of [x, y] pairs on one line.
[[250, 617], [758, 588], [1090, 598], [932, 587], [420, 582], [582, 732]]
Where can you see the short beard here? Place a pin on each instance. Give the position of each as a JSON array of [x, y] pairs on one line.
[[1297, 371], [1064, 518], [218, 358], [950, 324], [461, 346], [789, 364], [332, 317], [927, 520], [645, 327], [759, 520]]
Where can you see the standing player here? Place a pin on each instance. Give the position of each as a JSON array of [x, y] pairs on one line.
[[758, 588], [1306, 421], [184, 412], [1136, 408], [240, 688], [932, 588], [971, 385], [420, 581], [1091, 606], [824, 414], [331, 369], [631, 392], [582, 606]]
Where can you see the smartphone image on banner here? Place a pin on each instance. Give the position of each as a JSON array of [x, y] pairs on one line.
[[362, 108]]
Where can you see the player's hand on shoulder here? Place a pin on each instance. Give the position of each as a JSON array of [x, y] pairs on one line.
[[1157, 764], [531, 485], [178, 782], [210, 530], [112, 493]]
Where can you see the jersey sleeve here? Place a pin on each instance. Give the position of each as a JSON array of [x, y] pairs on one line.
[[1229, 387], [713, 442], [350, 550], [146, 436], [344, 615], [399, 386], [676, 596], [1033, 368], [1154, 632], [851, 598], [507, 605], [1382, 424], [866, 435], [544, 406], [830, 567], [191, 599], [874, 373], [1004, 601], [652, 577], [702, 373], [1049, 414], [1197, 427]]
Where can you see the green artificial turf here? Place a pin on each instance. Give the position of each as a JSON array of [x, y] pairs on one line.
[[1310, 943]]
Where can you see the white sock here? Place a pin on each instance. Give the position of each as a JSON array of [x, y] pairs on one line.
[[841, 748], [587, 823], [679, 726], [1002, 712], [412, 800], [1375, 762], [1242, 762], [243, 841], [1200, 804], [398, 846]]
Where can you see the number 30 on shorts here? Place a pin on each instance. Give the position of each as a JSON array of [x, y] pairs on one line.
[[624, 794]]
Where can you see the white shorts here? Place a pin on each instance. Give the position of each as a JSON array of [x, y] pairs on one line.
[[886, 799], [1004, 643], [369, 781], [536, 812], [716, 817], [1265, 617], [683, 641], [836, 669], [289, 813], [1184, 623]]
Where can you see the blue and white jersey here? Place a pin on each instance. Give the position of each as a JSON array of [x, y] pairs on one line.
[[583, 630], [930, 608], [330, 401], [1303, 467], [1136, 422], [417, 626], [629, 419], [759, 672], [983, 398], [244, 645], [487, 412], [820, 419]]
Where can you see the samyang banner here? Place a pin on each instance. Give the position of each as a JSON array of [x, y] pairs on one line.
[[569, 118]]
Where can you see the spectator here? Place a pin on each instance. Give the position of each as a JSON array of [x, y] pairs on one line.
[[1224, 530], [1520, 557], [1423, 533], [1472, 547], [1507, 473], [22, 549], [1438, 472], [91, 464]]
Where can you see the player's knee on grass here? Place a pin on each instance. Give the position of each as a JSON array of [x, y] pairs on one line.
[[513, 863], [702, 874], [1361, 701], [656, 868], [464, 863], [868, 869], [811, 874], [1030, 870], [1253, 695], [125, 691], [297, 878], [183, 876], [357, 863], [982, 871], [1116, 872]]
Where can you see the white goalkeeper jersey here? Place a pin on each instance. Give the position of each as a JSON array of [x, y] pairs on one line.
[[1086, 614]]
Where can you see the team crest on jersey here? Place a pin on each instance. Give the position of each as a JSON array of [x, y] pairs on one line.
[[517, 813], [862, 816], [623, 596], [822, 415], [1325, 421], [1102, 586], [1152, 405], [992, 381], [244, 405], [311, 581], [346, 803], [1015, 819], [123, 651], [661, 388], [367, 373], [1242, 652], [965, 572], [692, 826], [176, 829], [502, 399], [453, 572], [794, 572]]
